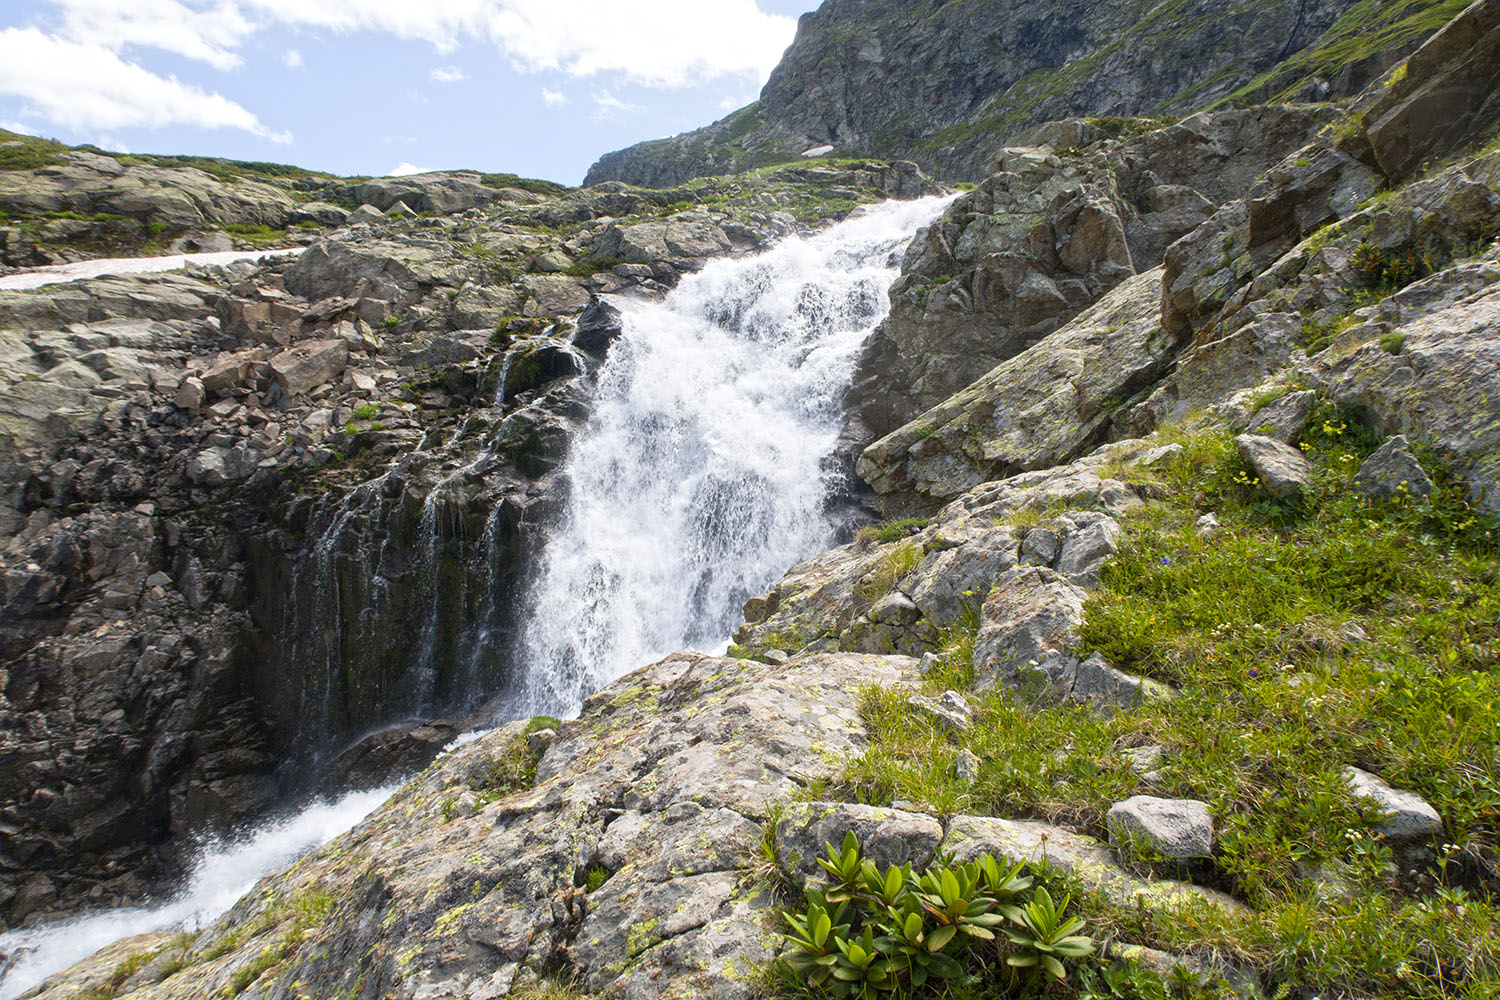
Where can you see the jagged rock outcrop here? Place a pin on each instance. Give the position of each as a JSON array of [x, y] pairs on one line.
[[661, 788], [211, 481], [1045, 236], [988, 71]]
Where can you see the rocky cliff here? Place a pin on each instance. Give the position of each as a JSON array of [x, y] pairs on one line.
[[990, 70], [231, 496]]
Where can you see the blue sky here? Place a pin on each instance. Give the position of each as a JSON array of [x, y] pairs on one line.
[[535, 87]]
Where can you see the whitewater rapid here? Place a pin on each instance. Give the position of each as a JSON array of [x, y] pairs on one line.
[[36, 277], [701, 475], [224, 872], [703, 472]]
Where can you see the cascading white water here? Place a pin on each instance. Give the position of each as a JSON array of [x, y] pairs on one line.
[[224, 872], [702, 473]]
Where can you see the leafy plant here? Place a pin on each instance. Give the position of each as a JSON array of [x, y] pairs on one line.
[[866, 933]]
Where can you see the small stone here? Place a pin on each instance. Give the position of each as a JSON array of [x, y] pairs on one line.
[[1175, 828], [930, 662], [1392, 471], [1209, 526], [539, 741], [951, 711], [776, 657], [1282, 469], [1145, 759], [966, 766], [1408, 815], [158, 579]]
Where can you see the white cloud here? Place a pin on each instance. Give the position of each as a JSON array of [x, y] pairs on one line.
[[608, 107], [209, 35], [88, 87], [553, 98], [682, 42], [447, 74], [407, 169], [735, 103], [292, 59]]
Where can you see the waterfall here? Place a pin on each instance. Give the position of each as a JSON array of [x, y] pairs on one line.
[[225, 871], [700, 476], [703, 471]]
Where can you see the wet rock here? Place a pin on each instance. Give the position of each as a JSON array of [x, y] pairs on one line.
[[1392, 471], [599, 326], [1175, 828], [1283, 471], [1406, 816]]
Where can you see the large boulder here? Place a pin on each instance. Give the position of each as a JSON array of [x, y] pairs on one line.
[[301, 369]]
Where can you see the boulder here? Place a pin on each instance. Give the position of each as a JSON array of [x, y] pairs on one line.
[[1283, 471], [951, 711], [300, 369], [190, 394], [1392, 471], [1286, 418], [1181, 829], [1404, 816], [366, 214], [599, 326], [1028, 632]]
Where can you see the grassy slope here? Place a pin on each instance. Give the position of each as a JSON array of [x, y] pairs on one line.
[[1279, 693]]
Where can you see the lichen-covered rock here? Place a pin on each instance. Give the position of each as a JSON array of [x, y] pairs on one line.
[[664, 783], [1088, 860], [1040, 409]]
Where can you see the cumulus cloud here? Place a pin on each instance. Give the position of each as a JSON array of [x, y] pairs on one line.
[[88, 87], [447, 74], [407, 169], [207, 32], [682, 42], [553, 98]]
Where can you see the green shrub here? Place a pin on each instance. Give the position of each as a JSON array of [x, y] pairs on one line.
[[909, 934]]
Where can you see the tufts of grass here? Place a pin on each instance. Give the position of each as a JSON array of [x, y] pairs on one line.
[[1302, 639], [894, 564]]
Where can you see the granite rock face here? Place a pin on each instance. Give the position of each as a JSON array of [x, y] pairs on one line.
[[989, 71]]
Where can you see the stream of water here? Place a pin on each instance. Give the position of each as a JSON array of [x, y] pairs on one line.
[[701, 475], [703, 472]]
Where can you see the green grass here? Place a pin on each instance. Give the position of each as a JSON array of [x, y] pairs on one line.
[[1303, 638]]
